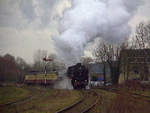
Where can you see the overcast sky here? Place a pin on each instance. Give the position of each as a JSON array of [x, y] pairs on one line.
[[29, 25]]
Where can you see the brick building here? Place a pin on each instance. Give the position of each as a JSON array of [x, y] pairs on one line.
[[134, 64]]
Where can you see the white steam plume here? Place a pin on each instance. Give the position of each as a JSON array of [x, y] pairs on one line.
[[88, 19]]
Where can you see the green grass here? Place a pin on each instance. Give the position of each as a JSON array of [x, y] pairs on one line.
[[45, 100], [54, 101], [10, 94]]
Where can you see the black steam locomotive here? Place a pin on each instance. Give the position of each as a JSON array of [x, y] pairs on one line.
[[79, 76]]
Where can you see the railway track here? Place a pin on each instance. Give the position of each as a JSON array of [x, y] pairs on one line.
[[18, 101], [13, 104], [84, 105], [135, 95]]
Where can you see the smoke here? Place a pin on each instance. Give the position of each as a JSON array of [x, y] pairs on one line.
[[88, 19], [65, 83]]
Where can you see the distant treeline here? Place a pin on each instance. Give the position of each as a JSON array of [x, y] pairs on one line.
[[14, 69]]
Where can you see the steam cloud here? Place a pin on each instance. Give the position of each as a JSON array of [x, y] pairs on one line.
[[89, 19], [65, 83]]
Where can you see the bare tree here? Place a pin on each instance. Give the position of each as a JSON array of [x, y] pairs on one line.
[[22, 64], [86, 60], [142, 36], [52, 65], [109, 54], [23, 67], [100, 54], [142, 41], [38, 59]]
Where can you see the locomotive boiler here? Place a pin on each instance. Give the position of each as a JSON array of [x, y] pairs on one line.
[[79, 76]]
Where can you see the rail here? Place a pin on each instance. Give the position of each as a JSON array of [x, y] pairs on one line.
[[78, 104]]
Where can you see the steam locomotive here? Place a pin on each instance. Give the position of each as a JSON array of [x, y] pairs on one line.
[[79, 76]]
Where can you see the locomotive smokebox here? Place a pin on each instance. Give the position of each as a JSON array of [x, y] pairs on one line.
[[79, 76]]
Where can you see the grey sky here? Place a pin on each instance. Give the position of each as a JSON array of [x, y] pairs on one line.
[[142, 13], [28, 25]]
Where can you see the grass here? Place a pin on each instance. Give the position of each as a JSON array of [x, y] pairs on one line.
[[45, 101], [90, 98], [11, 94], [141, 92], [104, 103], [88, 102], [121, 103], [126, 103], [135, 87], [57, 100], [62, 99]]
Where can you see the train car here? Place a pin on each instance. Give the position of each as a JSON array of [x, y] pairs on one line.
[[41, 79], [78, 75]]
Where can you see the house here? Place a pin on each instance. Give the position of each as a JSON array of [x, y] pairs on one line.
[[96, 69], [134, 64]]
